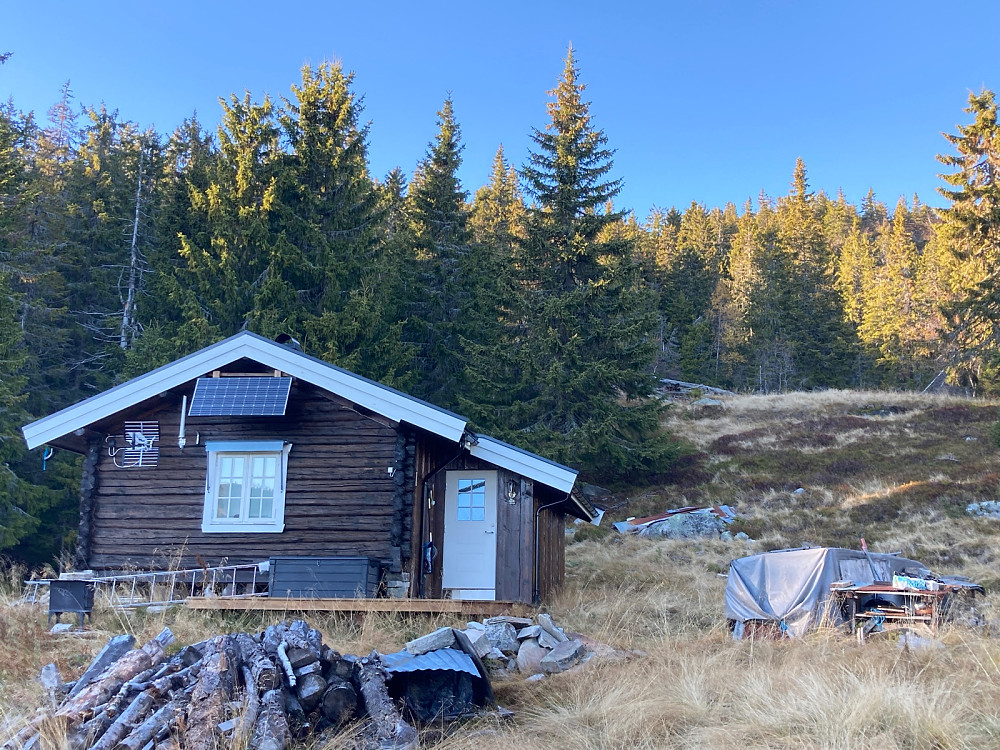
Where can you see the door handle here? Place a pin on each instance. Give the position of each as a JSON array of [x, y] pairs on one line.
[[490, 531]]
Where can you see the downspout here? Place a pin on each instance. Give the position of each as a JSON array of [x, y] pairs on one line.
[[425, 498], [536, 597]]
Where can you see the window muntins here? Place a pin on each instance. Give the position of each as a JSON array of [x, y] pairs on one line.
[[245, 486]]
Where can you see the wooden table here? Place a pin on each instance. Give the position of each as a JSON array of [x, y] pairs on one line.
[[917, 608]]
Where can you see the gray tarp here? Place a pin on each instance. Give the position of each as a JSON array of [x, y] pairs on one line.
[[792, 587]]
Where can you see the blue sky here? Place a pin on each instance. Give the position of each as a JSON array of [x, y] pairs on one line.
[[704, 101]]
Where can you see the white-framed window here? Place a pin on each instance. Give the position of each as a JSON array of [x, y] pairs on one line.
[[245, 486]]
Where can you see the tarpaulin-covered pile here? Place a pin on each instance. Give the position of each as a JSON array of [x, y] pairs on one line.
[[792, 588]]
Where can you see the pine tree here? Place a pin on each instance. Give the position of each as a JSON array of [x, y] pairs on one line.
[[580, 350]]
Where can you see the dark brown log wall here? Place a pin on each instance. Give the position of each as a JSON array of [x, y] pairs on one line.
[[340, 498]]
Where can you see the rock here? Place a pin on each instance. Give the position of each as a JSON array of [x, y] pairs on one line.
[[707, 403], [517, 622], [61, 627], [475, 626], [50, 678], [726, 536], [479, 641], [545, 620], [535, 677], [742, 536], [529, 657], [440, 638], [686, 526], [986, 509], [562, 657], [547, 640], [503, 636], [531, 631]]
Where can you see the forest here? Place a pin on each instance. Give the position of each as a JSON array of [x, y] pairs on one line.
[[534, 305]]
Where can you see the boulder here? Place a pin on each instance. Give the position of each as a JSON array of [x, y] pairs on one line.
[[531, 631], [545, 621], [562, 657], [479, 641], [686, 526], [529, 657], [547, 640], [503, 636], [440, 638]]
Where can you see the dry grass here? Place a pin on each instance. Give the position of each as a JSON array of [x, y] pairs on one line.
[[895, 468]]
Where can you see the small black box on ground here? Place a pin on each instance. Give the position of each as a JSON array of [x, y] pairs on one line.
[[323, 577], [76, 597]]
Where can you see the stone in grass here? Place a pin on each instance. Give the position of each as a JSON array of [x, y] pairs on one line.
[[531, 631], [479, 640], [440, 638], [545, 621], [474, 625], [62, 627], [503, 636], [535, 677], [547, 640], [517, 622], [562, 657], [529, 657]]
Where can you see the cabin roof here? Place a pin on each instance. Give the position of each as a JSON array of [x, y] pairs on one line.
[[378, 398]]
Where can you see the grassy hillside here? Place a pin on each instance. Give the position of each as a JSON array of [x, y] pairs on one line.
[[897, 469]]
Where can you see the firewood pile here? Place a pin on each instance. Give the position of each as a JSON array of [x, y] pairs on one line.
[[262, 691]]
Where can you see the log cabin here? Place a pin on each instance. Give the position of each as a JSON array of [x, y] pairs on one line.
[[250, 450]]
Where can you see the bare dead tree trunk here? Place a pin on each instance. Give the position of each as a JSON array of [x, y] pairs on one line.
[[128, 314]]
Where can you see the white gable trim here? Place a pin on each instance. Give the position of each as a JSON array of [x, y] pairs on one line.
[[367, 393], [526, 464]]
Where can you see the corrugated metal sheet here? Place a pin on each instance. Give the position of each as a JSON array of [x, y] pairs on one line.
[[446, 659]]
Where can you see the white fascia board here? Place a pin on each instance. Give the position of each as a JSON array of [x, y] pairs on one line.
[[526, 464], [367, 393]]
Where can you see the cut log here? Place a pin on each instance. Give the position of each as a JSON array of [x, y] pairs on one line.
[[211, 694], [265, 676], [147, 730], [271, 730], [251, 707], [310, 691], [112, 651], [110, 682], [163, 685], [340, 702], [125, 723], [391, 729]]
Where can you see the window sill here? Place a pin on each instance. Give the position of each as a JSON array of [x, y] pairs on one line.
[[241, 528]]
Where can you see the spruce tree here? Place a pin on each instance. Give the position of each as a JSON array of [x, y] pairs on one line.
[[581, 345], [442, 242], [972, 224]]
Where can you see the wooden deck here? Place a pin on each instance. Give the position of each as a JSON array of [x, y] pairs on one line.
[[463, 607]]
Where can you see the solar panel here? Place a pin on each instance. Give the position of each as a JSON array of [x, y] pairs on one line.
[[240, 397]]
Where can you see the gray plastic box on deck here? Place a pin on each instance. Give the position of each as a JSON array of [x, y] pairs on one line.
[[323, 577]]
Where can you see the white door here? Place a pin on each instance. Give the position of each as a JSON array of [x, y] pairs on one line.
[[469, 564]]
